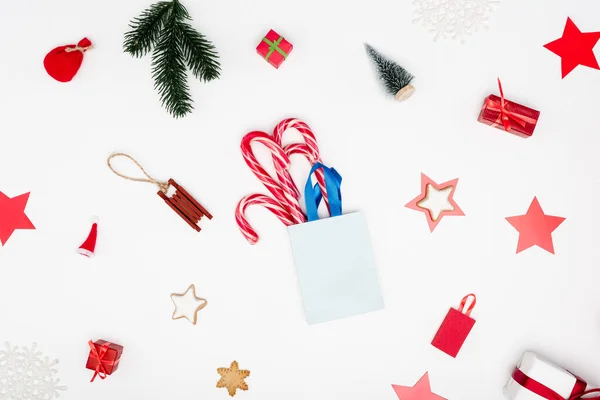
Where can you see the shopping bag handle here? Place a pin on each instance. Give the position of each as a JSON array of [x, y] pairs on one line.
[[463, 303], [313, 195]]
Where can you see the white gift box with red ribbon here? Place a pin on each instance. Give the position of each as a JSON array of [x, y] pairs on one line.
[[536, 378]]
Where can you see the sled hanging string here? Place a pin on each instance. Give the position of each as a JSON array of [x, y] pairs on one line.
[[181, 201]]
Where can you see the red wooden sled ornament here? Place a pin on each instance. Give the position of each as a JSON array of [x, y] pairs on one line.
[[455, 328], [181, 201], [185, 205]]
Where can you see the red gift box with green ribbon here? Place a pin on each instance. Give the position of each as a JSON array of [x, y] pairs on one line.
[[274, 48], [509, 116]]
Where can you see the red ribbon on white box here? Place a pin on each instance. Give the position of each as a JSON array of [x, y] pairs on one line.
[[541, 390]]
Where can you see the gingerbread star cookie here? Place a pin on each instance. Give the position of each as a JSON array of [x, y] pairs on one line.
[[232, 378]]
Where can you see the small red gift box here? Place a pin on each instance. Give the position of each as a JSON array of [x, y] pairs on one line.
[[274, 48], [455, 328], [104, 358], [507, 115]]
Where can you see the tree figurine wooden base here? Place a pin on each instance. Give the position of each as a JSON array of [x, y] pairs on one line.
[[405, 93]]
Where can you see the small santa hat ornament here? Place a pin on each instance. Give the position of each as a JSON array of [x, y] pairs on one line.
[[63, 62], [88, 247]]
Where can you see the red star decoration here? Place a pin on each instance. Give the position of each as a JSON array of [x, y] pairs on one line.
[[421, 390], [535, 228], [575, 48], [417, 203], [12, 215]]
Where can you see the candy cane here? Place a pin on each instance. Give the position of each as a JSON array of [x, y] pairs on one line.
[[305, 131], [309, 139], [282, 191], [302, 149], [262, 200], [310, 151]]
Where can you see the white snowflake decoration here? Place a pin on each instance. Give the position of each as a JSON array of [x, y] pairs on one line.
[[453, 19], [26, 375]]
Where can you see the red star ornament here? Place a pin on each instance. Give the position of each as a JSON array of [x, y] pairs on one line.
[[421, 390], [12, 215], [575, 48], [535, 228], [434, 216]]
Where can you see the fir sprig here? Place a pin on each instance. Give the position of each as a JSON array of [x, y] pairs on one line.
[[163, 27], [168, 69], [200, 54], [145, 29]]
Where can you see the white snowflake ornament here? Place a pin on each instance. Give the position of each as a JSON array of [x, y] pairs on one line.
[[453, 19], [25, 374]]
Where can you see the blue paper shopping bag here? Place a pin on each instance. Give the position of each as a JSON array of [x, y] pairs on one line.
[[334, 257]]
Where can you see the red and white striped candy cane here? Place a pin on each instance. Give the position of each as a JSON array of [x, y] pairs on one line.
[[262, 200], [305, 131], [282, 190], [307, 134], [302, 149], [311, 151]]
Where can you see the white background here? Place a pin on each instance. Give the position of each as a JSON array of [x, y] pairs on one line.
[[56, 138]]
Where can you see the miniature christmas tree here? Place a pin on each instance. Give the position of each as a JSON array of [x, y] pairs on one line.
[[395, 78], [163, 27]]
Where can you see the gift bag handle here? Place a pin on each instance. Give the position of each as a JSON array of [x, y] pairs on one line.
[[313, 195], [463, 303]]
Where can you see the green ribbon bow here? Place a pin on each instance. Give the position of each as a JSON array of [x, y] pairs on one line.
[[274, 46]]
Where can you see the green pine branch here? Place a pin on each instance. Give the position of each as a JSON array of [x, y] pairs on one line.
[[199, 53], [145, 29], [163, 27], [168, 69]]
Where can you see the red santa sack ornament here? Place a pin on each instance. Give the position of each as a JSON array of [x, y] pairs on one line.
[[63, 62]]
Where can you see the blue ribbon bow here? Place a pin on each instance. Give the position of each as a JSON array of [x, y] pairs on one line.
[[313, 195]]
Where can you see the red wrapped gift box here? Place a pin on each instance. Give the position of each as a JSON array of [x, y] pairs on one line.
[[104, 358], [274, 48], [507, 115]]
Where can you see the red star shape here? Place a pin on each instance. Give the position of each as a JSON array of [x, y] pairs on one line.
[[535, 228], [12, 215], [421, 390], [575, 48], [414, 203]]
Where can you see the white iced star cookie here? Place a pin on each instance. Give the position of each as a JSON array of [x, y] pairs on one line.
[[188, 304], [436, 201]]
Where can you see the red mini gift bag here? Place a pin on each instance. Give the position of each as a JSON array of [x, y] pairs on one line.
[[274, 48], [455, 328], [104, 358]]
